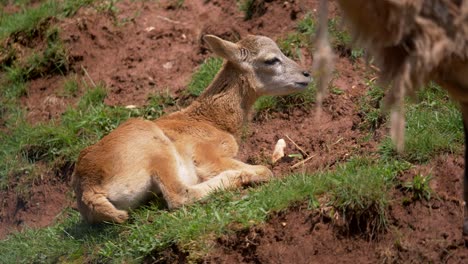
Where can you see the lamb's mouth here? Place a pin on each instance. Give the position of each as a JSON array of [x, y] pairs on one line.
[[302, 84]]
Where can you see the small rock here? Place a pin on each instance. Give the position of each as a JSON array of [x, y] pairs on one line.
[[149, 29], [168, 65]]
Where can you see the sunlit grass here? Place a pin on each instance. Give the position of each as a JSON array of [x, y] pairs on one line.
[[433, 126]]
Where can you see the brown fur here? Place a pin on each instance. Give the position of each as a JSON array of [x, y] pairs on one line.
[[413, 42], [187, 154]]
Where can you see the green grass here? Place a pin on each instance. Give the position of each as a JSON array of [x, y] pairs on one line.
[[178, 3], [28, 24], [356, 188], [361, 193], [292, 43], [204, 75], [419, 187], [433, 126], [307, 25], [246, 6], [28, 19], [56, 142], [70, 87], [341, 40], [370, 107], [267, 104], [305, 32], [339, 37], [15, 2], [53, 59], [60, 142]]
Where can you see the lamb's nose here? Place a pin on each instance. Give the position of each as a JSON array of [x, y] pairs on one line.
[[306, 73]]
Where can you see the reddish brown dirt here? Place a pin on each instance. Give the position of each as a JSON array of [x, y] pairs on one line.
[[421, 232], [149, 47], [35, 204]]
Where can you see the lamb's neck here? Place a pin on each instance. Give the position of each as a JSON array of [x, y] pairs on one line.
[[226, 102]]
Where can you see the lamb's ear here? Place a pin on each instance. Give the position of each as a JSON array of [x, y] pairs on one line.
[[223, 48]]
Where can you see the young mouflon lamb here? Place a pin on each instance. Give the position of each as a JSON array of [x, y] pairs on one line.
[[185, 155]]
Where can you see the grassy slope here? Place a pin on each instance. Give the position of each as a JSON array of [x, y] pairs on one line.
[[355, 189]]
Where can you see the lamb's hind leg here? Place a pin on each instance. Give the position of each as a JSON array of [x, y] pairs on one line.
[[229, 173], [95, 207], [176, 193]]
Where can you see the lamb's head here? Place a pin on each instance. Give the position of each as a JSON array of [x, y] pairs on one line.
[[270, 71]]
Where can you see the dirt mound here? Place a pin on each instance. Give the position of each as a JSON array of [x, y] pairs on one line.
[[38, 205], [420, 232]]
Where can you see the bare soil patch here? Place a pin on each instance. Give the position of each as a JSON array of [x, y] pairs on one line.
[[36, 205], [150, 47]]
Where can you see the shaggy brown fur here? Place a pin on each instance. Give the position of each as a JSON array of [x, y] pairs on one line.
[[413, 42]]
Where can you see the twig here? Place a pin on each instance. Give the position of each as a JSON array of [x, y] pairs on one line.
[[338, 141], [169, 20], [375, 68], [302, 162], [299, 148], [87, 75]]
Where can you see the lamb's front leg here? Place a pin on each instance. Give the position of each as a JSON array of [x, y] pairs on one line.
[[228, 173], [211, 168], [254, 173]]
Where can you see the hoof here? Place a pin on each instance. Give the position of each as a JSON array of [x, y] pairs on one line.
[[122, 217], [261, 174]]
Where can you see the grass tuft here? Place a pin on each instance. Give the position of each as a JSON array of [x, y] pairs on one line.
[[419, 187], [370, 108], [204, 75], [265, 105], [53, 59], [433, 126], [28, 19], [251, 8], [360, 193]]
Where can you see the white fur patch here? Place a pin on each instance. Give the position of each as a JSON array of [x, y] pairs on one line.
[[186, 170], [129, 191]]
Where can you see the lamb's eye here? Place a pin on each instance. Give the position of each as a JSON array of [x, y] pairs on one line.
[[272, 61]]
